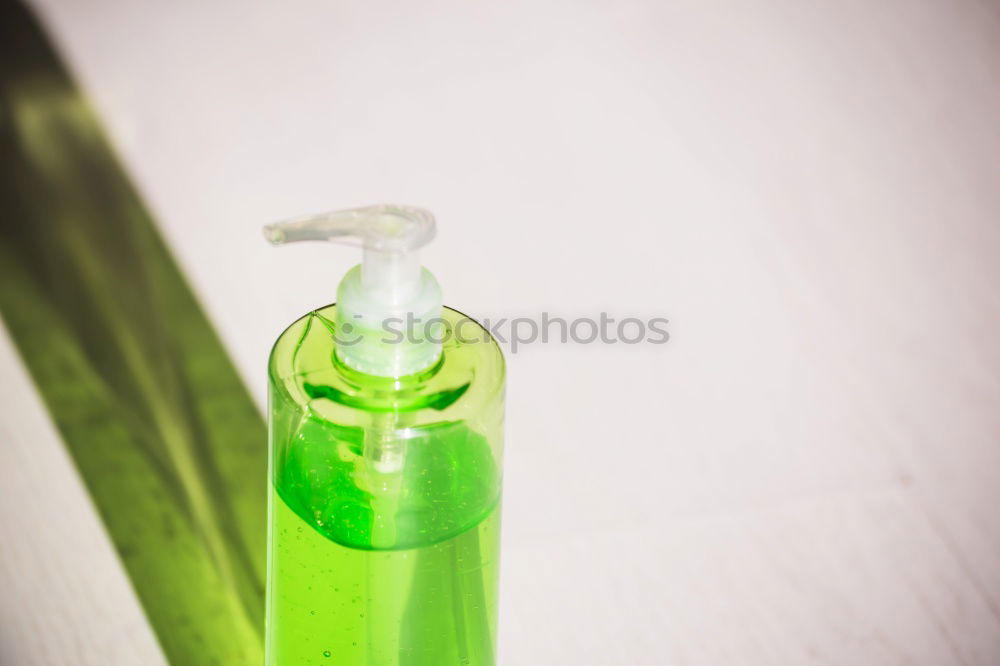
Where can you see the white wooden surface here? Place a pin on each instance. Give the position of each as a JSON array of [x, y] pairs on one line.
[[807, 473]]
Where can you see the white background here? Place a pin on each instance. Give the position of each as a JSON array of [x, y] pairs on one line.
[[807, 472]]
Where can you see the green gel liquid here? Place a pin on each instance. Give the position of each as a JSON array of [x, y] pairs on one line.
[[384, 523], [428, 606]]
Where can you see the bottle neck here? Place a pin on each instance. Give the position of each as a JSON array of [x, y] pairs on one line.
[[384, 333]]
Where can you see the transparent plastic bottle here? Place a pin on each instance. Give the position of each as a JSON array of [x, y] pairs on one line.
[[384, 511]]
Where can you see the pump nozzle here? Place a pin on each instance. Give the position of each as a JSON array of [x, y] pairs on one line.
[[382, 227], [387, 294]]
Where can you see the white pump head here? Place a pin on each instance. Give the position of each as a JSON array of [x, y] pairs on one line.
[[388, 308]]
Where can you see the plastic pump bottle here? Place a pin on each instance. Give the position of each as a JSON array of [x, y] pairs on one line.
[[386, 427]]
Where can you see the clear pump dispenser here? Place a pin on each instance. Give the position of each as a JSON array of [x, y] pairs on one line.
[[386, 426], [389, 287]]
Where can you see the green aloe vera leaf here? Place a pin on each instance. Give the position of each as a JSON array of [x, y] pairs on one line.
[[155, 417]]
